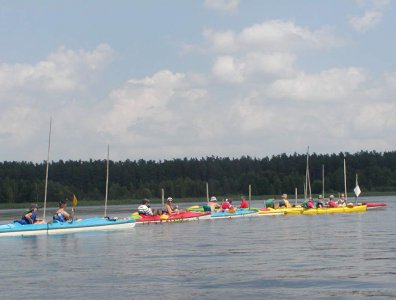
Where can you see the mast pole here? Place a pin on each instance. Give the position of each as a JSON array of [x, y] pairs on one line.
[[207, 192], [323, 183], [250, 194], [46, 172], [345, 183], [107, 179]]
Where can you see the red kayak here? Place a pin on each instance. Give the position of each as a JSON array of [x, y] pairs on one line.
[[180, 217], [375, 205]]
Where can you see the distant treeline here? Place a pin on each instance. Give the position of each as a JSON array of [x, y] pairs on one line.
[[24, 181]]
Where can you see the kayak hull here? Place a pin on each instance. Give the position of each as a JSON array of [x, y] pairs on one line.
[[180, 217], [375, 205], [328, 210], [89, 224], [237, 214]]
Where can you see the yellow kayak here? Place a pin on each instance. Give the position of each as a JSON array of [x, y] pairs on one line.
[[330, 210], [282, 210]]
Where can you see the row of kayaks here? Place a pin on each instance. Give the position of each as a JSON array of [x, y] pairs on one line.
[[193, 213]]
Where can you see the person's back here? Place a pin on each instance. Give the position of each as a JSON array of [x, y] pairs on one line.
[[30, 216], [145, 208], [307, 204], [244, 203], [225, 205], [269, 203], [331, 203]]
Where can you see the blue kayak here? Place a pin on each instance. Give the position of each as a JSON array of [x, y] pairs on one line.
[[238, 213], [89, 224]]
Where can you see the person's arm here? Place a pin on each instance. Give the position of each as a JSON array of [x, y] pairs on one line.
[[28, 217], [168, 208], [65, 214]]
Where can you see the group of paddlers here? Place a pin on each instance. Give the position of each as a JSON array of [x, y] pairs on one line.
[[168, 208], [308, 203], [31, 215]]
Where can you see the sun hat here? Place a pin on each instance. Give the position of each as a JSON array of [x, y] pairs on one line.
[[214, 199]]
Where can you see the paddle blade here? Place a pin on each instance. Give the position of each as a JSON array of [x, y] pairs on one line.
[[75, 201]]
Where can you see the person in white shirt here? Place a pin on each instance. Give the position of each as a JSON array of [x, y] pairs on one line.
[[145, 209]]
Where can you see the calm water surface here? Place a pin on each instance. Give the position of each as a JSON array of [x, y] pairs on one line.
[[344, 256]]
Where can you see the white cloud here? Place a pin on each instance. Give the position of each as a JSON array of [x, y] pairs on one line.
[[369, 20], [238, 69], [371, 17], [224, 6], [64, 70], [226, 68], [146, 108], [30, 94], [332, 85], [271, 35]]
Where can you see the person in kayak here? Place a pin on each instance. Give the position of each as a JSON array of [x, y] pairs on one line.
[[319, 202], [331, 202], [307, 204], [30, 216], [61, 214], [145, 209], [284, 202], [244, 203], [226, 205], [168, 208], [341, 200], [214, 206]]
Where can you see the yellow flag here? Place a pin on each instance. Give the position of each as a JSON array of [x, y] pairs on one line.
[[75, 201]]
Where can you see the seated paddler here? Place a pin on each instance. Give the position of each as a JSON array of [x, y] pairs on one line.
[[61, 214], [30, 216], [169, 208], [145, 209]]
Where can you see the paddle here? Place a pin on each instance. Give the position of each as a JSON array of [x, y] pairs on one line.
[[75, 202]]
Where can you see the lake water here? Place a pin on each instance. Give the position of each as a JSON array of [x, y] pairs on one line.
[[340, 256]]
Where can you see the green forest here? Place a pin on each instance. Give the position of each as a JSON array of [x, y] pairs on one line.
[[23, 182]]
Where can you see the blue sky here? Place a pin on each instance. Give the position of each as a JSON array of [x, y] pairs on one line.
[[166, 79]]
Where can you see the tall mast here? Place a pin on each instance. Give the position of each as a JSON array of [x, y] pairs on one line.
[[107, 179], [46, 172], [345, 184], [307, 179], [207, 192], [323, 182]]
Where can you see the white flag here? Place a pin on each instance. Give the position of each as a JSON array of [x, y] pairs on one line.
[[357, 191]]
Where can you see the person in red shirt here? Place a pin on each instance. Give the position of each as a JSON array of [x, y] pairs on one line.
[[225, 205], [331, 202], [244, 203], [310, 203]]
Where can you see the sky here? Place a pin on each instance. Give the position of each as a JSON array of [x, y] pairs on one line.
[[158, 80]]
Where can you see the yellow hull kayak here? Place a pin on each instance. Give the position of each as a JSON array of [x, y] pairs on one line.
[[283, 210], [328, 210]]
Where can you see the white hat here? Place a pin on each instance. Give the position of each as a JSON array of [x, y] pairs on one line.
[[214, 199], [331, 197], [170, 199], [284, 196]]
